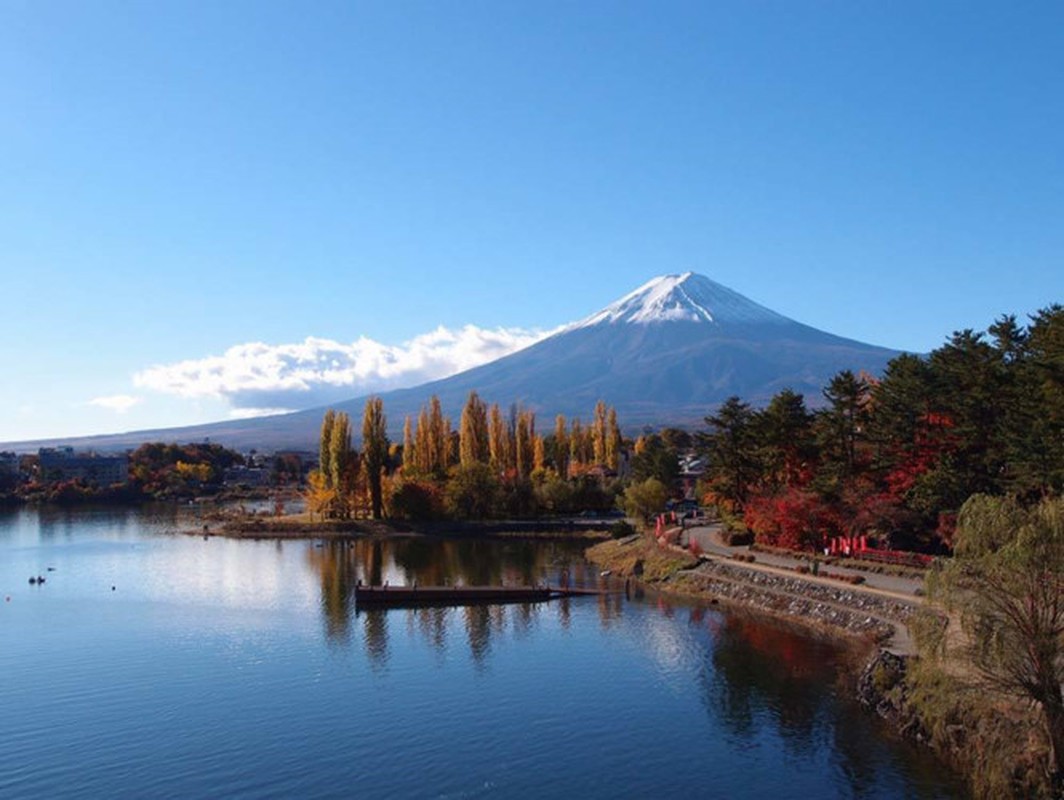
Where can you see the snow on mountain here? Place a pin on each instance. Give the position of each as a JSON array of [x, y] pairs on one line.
[[682, 298], [665, 354]]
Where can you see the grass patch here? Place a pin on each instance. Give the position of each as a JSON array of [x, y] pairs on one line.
[[625, 557]]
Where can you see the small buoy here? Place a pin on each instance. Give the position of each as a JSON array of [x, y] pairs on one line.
[[51, 569], [32, 580], [8, 598], [112, 588]]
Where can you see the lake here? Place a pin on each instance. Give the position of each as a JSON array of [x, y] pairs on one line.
[[156, 664]]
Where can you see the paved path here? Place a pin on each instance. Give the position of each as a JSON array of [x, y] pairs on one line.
[[891, 586], [709, 539]]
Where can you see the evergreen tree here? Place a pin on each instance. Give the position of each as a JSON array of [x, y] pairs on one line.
[[729, 449], [655, 459], [843, 426], [783, 432]]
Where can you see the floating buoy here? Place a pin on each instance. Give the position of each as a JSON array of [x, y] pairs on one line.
[[33, 580], [112, 588]]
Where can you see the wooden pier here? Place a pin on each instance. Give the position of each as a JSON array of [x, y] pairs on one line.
[[408, 596]]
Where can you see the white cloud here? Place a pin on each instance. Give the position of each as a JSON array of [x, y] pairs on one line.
[[119, 403], [251, 413], [256, 377]]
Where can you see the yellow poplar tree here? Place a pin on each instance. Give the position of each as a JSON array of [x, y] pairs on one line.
[[323, 447], [499, 440], [473, 432], [598, 432], [374, 450], [409, 448], [613, 440], [561, 447]]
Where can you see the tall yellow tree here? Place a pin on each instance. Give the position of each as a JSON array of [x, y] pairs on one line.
[[613, 440], [499, 444], [525, 431], [473, 432], [323, 447], [561, 447], [374, 450], [539, 453], [598, 432], [409, 448], [423, 443], [439, 438]]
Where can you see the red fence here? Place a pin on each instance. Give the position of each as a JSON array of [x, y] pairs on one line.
[[857, 547]]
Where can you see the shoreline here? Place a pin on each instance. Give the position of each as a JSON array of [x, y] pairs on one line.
[[300, 527], [862, 618]]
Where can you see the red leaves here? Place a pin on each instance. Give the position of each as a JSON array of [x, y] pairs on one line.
[[795, 519]]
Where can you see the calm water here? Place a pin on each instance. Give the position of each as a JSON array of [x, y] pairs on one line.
[[239, 668]]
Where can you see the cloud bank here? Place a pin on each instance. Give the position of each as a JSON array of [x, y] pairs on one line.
[[255, 376]]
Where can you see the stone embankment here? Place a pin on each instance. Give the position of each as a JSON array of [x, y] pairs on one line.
[[839, 609], [850, 610]]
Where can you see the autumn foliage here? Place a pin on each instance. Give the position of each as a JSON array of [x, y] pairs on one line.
[[895, 457]]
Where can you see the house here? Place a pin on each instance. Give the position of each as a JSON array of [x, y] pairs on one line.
[[9, 464]]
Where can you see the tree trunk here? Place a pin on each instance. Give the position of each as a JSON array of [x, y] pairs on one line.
[[1053, 707]]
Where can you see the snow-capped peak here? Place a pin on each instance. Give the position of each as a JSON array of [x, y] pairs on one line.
[[683, 298]]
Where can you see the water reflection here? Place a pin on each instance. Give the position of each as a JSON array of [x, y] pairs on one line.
[[760, 672], [661, 697], [340, 565]]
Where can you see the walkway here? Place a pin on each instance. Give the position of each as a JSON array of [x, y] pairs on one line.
[[893, 587]]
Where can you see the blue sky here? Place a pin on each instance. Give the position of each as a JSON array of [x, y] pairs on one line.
[[182, 180]]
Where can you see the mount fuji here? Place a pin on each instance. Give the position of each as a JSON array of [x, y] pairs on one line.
[[664, 354]]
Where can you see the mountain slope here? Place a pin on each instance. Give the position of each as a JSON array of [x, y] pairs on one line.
[[666, 353]]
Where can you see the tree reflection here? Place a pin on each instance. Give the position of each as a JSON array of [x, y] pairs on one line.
[[761, 672], [340, 565], [478, 630], [337, 577], [375, 636]]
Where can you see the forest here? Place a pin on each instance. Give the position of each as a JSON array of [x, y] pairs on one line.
[[897, 456]]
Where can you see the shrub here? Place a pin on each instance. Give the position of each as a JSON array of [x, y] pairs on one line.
[[738, 538], [622, 528]]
